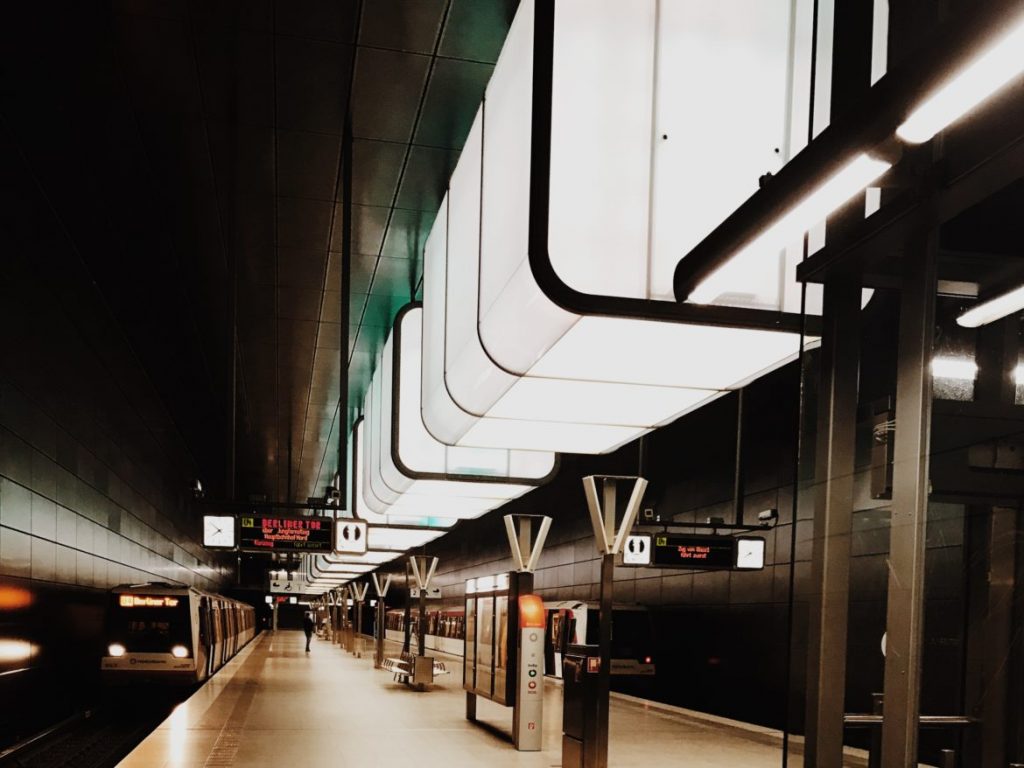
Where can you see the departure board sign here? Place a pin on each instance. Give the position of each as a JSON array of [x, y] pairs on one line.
[[707, 551], [272, 533]]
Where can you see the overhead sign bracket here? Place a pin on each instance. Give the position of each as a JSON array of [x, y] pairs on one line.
[[610, 536], [423, 567], [526, 551]]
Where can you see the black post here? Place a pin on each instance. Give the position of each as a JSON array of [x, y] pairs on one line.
[[378, 656], [346, 302], [604, 677], [875, 740], [421, 633], [407, 639]]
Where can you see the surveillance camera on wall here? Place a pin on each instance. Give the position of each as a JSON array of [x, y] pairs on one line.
[[768, 516]]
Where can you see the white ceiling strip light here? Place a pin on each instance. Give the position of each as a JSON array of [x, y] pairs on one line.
[[989, 72], [518, 369]]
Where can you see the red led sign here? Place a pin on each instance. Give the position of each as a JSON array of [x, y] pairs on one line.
[[271, 533], [693, 551]]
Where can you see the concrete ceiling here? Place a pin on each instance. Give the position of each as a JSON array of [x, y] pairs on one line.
[[183, 142]]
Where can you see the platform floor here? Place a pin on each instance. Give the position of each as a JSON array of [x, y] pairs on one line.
[[276, 706]]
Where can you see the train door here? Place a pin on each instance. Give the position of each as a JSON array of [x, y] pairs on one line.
[[218, 634], [222, 611], [204, 655], [232, 631]]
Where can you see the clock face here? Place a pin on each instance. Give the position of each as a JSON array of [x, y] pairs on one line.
[[750, 553], [218, 531]]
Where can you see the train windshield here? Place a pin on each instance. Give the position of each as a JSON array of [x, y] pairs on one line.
[[632, 633], [149, 623]]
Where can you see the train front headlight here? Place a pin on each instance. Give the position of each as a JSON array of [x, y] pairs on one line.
[[179, 651], [115, 649]]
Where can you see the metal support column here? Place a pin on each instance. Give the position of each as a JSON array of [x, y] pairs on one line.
[[998, 633], [833, 514], [905, 611], [379, 630], [604, 625], [421, 625]]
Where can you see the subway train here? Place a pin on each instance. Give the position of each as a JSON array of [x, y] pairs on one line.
[[170, 633], [446, 628], [572, 622], [568, 622]]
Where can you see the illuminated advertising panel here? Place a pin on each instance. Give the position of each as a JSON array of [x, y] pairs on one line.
[[273, 533]]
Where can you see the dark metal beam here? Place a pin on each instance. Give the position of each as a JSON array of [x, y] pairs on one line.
[[833, 516], [905, 609]]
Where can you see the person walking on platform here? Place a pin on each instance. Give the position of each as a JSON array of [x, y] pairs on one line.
[[307, 627]]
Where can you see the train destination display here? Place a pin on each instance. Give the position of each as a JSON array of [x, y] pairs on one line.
[[274, 533], [696, 551]]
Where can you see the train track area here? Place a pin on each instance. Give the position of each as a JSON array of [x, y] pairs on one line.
[[101, 737]]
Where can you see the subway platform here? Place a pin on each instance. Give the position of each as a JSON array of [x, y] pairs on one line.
[[275, 705]]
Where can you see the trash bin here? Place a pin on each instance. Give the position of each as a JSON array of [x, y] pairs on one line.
[[580, 738]]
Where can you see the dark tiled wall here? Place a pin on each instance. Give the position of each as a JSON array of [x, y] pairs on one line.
[[723, 636], [94, 476]]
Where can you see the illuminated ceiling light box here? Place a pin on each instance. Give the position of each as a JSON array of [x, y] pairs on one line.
[[365, 503], [401, 539], [412, 472], [324, 566], [375, 558], [567, 214]]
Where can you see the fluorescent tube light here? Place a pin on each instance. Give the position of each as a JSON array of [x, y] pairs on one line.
[[814, 208], [959, 368], [993, 309], [996, 66]]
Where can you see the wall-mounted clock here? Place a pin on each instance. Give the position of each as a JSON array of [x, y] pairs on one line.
[[218, 531]]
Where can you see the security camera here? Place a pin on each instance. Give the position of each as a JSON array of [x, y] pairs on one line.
[[768, 516]]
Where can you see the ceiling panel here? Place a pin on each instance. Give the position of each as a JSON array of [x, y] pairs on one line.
[[330, 309], [243, 162], [251, 15], [426, 178], [301, 268], [368, 225], [476, 29], [376, 168], [403, 25], [299, 304], [357, 304], [381, 310], [452, 100], [388, 86], [333, 20], [162, 65], [394, 277], [407, 232], [238, 75], [303, 224], [307, 164], [240, 105], [309, 73], [297, 332]]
